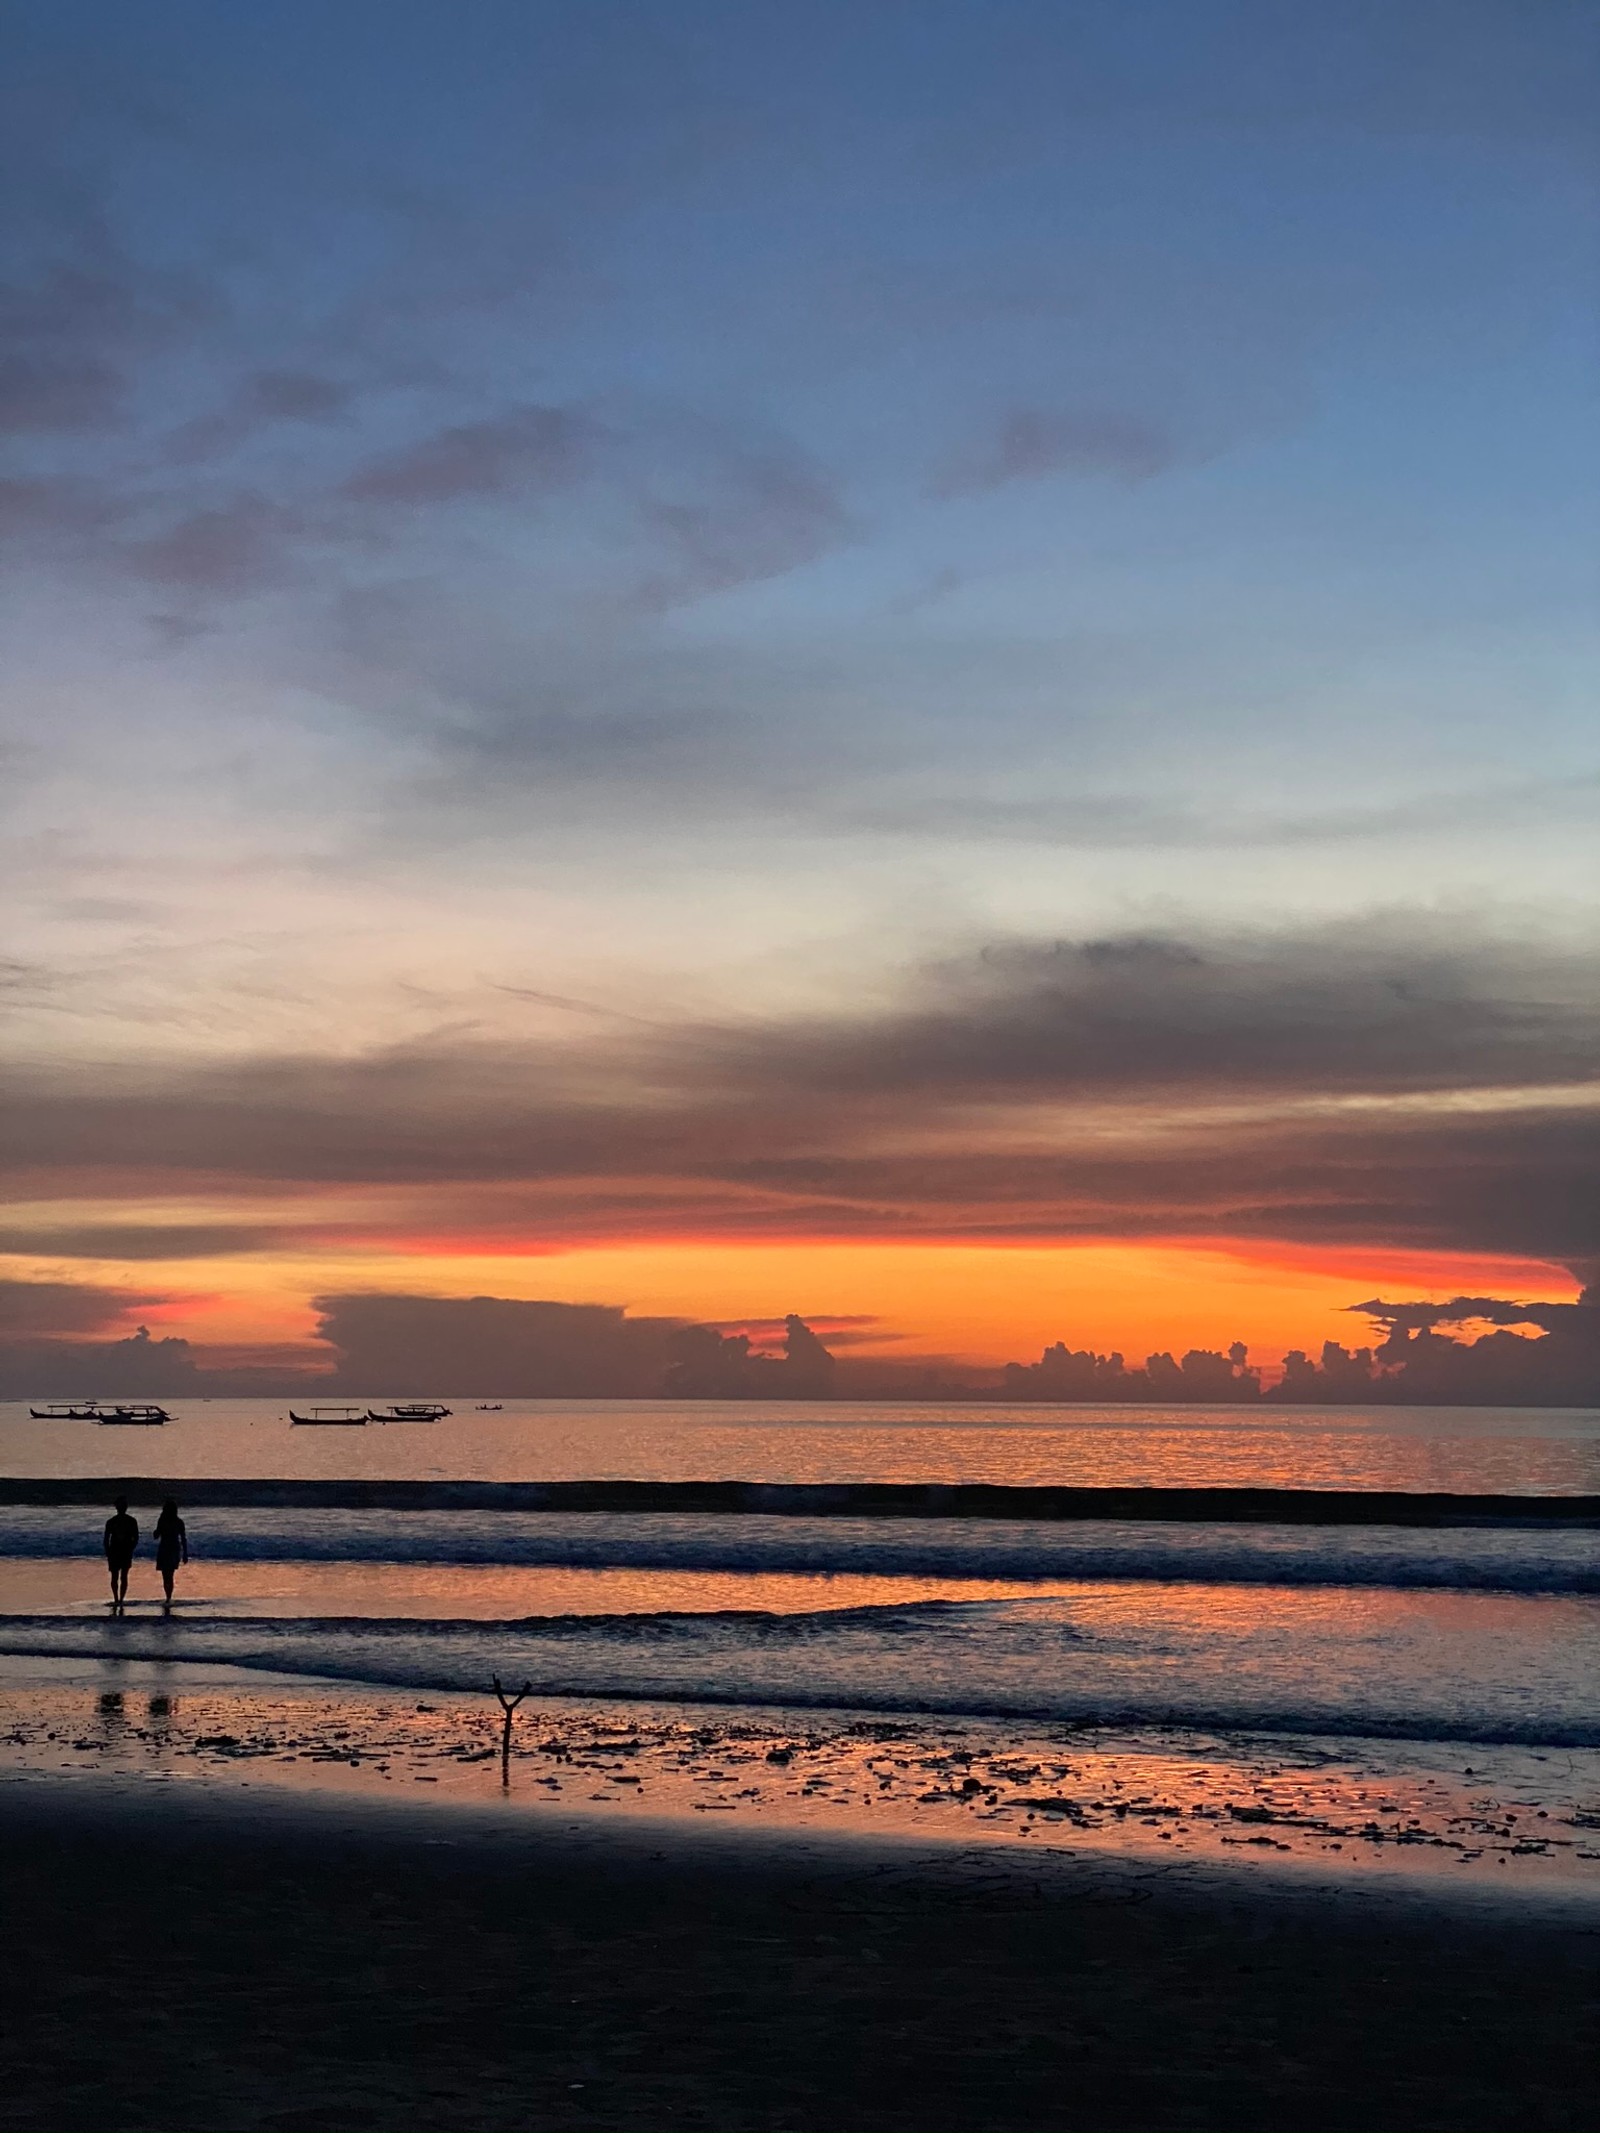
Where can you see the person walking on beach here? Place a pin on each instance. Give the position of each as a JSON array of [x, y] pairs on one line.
[[122, 1537], [172, 1544]]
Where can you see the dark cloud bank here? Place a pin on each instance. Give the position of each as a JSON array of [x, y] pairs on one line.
[[1557, 1365], [1380, 1084], [377, 1345], [490, 1346]]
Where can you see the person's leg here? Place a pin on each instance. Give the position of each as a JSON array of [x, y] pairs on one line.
[[119, 1584], [168, 1571]]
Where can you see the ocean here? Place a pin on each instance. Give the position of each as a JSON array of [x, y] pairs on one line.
[[1515, 1449], [1466, 1632]]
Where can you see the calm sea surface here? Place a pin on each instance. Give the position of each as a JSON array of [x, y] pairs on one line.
[[1483, 1635], [1539, 1450]]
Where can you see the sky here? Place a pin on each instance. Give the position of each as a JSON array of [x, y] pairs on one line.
[[928, 665]]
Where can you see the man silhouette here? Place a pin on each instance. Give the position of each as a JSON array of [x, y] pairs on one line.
[[122, 1537]]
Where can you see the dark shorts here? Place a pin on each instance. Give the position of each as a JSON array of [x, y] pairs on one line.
[[119, 1562]]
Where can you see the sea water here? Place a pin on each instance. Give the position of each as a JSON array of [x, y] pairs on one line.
[[1486, 1634], [1480, 1449]]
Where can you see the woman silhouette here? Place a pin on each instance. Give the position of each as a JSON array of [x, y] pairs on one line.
[[172, 1544]]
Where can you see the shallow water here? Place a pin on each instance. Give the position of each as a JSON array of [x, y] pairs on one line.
[[1489, 1635]]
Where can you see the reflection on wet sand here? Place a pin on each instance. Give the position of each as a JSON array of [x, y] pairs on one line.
[[1305, 1802]]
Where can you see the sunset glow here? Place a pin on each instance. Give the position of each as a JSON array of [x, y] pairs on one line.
[[799, 1065], [674, 673], [969, 1303]]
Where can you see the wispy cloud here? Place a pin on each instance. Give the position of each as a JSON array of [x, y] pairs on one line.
[[260, 401], [138, 1240], [737, 512], [525, 450], [79, 317], [236, 547], [1030, 443]]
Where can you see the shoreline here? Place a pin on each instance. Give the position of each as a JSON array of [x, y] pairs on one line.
[[1520, 1824], [311, 1964]]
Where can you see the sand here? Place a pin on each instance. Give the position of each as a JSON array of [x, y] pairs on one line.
[[235, 1957], [1514, 1820]]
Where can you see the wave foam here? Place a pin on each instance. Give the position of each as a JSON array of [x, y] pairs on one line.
[[1465, 1558]]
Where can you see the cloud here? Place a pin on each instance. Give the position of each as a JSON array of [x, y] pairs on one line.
[[524, 451], [75, 324], [236, 547], [1468, 1310], [50, 1368], [1559, 1366], [390, 1345], [1030, 444], [657, 513], [1521, 1181], [737, 513], [710, 1365], [387, 1344], [686, 507], [252, 416], [1386, 1083], [57, 1307], [294, 396], [37, 394], [1131, 821], [1381, 1005], [36, 508], [138, 1240], [261, 400]]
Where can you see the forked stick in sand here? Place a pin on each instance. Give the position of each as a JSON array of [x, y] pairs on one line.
[[508, 1704]]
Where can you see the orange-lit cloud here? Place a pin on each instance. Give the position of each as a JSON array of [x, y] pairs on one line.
[[1130, 1144]]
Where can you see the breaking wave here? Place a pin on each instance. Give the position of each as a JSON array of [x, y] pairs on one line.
[[1045, 1661], [1466, 1558]]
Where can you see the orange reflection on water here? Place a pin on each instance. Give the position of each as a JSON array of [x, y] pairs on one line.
[[475, 1592]]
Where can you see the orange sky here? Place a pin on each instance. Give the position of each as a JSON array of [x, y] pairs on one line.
[[978, 1302]]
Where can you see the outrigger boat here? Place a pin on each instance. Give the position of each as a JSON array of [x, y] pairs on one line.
[[128, 1416], [410, 1411], [331, 1418], [67, 1411]]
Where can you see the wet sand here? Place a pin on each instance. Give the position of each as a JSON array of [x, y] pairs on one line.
[[201, 1934], [1507, 1820], [183, 1958]]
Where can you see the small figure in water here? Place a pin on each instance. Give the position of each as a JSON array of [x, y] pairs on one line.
[[122, 1537], [172, 1544]]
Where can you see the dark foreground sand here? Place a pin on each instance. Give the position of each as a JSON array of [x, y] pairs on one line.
[[230, 1961]]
